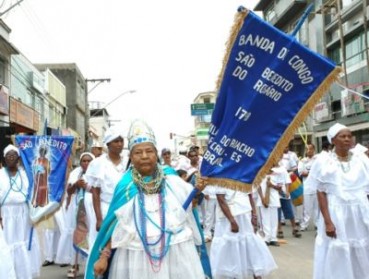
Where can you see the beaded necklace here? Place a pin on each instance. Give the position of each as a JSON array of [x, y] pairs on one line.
[[345, 162], [148, 186], [155, 259], [14, 185]]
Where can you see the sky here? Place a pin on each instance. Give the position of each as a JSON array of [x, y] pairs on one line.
[[168, 51]]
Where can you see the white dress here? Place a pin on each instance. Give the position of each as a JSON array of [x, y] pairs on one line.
[[6, 264], [181, 262], [66, 218], [17, 225], [347, 256], [238, 255]]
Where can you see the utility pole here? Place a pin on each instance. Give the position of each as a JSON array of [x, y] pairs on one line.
[[11, 7]]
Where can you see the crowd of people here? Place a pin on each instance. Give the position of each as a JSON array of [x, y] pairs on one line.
[[130, 217]]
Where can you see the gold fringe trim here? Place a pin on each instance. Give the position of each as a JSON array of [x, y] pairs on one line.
[[277, 152], [237, 25], [285, 139]]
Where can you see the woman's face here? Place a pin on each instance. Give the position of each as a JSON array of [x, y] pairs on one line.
[[11, 159], [85, 161], [144, 157], [116, 146], [343, 140]]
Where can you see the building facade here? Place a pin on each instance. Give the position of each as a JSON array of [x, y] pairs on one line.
[[202, 115], [337, 29], [76, 97]]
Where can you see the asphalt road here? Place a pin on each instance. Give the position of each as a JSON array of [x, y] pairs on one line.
[[294, 259]]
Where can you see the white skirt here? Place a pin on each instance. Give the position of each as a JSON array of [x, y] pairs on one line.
[[17, 232], [66, 219], [347, 256], [239, 255], [91, 219], [181, 262], [6, 264]]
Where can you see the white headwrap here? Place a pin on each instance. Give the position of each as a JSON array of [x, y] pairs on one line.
[[10, 147], [140, 132], [96, 143], [334, 130], [111, 135], [86, 153]]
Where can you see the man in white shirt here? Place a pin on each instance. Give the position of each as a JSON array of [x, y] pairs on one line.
[[310, 205]]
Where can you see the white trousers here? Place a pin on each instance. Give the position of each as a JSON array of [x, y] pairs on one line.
[[209, 223], [269, 222], [298, 212], [51, 238], [311, 210]]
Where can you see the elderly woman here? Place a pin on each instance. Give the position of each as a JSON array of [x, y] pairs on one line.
[[146, 224], [104, 173], [15, 217], [341, 177]]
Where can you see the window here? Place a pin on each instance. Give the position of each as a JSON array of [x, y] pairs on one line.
[[355, 50]]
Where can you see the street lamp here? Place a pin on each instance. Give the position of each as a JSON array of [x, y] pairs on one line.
[[98, 80], [116, 98]]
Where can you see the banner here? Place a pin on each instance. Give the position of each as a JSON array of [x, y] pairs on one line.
[[268, 85], [45, 159]]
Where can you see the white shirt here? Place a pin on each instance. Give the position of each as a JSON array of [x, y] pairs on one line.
[[176, 218], [289, 160], [103, 173], [304, 166]]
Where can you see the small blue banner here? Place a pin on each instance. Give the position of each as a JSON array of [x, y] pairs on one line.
[[45, 159], [268, 86]]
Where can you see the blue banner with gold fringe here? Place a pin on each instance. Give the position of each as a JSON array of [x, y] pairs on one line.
[[45, 159], [268, 85]]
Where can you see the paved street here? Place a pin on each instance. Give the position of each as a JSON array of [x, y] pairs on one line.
[[294, 259]]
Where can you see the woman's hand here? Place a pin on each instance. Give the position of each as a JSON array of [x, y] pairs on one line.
[[200, 183], [81, 183], [264, 203], [234, 227], [330, 230], [100, 266]]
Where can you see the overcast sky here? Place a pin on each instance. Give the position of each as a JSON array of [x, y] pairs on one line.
[[168, 51]]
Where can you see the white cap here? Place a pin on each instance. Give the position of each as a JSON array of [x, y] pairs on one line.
[[334, 130], [96, 143], [10, 147], [111, 135]]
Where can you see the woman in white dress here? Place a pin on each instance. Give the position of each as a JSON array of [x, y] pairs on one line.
[[15, 217], [66, 253], [341, 177], [153, 235], [237, 252]]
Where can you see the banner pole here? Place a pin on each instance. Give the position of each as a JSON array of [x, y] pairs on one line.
[[302, 19]]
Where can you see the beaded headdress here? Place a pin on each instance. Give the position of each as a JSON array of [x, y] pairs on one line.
[[140, 132]]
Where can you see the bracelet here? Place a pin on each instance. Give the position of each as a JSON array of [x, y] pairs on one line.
[[106, 252]]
